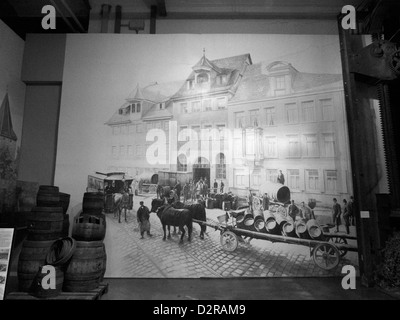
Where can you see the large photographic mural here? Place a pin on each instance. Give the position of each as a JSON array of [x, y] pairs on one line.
[[247, 132]]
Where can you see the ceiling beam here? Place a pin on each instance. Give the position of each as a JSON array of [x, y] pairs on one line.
[[161, 9], [160, 4]]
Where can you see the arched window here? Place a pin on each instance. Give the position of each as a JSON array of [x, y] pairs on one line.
[[182, 163], [203, 78], [220, 172]]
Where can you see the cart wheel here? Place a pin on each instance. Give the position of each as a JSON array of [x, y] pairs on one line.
[[339, 240], [326, 256], [229, 241]]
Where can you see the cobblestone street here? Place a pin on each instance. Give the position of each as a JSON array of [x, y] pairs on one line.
[[131, 257]]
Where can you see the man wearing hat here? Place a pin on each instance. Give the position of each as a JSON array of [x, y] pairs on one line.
[[143, 215]]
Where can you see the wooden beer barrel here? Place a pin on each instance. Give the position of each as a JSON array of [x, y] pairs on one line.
[[270, 223], [93, 203], [314, 230], [85, 268], [89, 227], [40, 292], [248, 221], [65, 230], [210, 203], [48, 196], [64, 201], [280, 220], [32, 257], [289, 229], [45, 223], [259, 223], [104, 266], [226, 205], [301, 229]]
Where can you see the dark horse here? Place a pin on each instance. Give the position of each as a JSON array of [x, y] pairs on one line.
[[169, 216], [197, 211]]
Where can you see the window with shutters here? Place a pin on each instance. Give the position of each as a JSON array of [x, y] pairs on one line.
[[331, 181], [329, 145], [294, 146], [239, 120], [271, 147], [292, 113], [294, 179], [327, 109], [308, 111], [270, 116], [312, 180], [311, 145]]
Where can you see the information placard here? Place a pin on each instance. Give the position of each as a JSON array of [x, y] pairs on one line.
[[6, 240]]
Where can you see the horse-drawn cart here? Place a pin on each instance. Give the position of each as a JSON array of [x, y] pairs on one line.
[[326, 252]]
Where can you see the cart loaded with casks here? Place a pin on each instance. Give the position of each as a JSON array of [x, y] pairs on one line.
[[274, 225]]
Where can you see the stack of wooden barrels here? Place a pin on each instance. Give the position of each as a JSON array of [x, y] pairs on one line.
[[47, 222], [87, 266], [276, 223]]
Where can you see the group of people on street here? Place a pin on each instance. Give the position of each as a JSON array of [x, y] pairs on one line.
[[348, 214], [303, 212], [191, 190]]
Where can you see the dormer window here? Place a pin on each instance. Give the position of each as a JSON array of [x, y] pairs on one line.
[[162, 105], [221, 79], [190, 84], [280, 88], [203, 78]]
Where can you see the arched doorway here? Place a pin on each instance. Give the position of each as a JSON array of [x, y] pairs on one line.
[[201, 169], [154, 179]]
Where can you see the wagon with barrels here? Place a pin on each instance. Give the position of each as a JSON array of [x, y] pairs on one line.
[[275, 225]]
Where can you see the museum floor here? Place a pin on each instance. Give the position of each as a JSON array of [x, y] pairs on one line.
[[233, 289], [245, 288]]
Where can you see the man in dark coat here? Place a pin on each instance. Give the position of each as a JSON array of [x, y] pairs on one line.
[[265, 201], [281, 177], [178, 189], [186, 191], [143, 215], [336, 213], [346, 215], [293, 211], [215, 186]]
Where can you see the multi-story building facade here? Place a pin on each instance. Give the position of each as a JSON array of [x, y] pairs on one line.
[[295, 122], [278, 119], [143, 110], [201, 104]]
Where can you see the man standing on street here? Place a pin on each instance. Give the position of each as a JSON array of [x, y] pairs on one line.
[[215, 186], [178, 189], [143, 215], [336, 213], [293, 211], [346, 216], [306, 212]]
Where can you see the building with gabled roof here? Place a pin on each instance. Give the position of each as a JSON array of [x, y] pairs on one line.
[[8, 138], [280, 119]]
